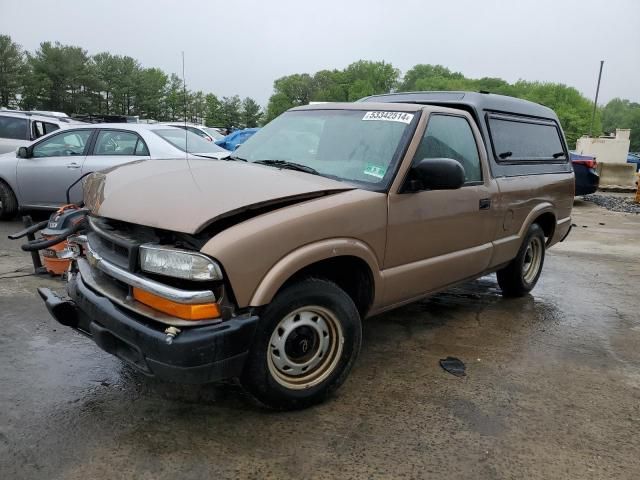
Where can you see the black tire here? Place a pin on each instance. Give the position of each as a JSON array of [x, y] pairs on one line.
[[264, 373], [516, 279], [8, 202]]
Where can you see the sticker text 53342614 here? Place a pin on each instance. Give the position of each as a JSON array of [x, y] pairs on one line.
[[389, 116]]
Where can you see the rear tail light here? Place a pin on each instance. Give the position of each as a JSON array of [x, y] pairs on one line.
[[587, 163]]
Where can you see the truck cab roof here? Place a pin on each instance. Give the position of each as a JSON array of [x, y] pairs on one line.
[[475, 102]]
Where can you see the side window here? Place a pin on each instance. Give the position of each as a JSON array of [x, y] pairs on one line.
[[141, 148], [115, 142], [14, 128], [199, 132], [40, 128], [50, 127], [71, 142], [451, 137], [37, 129], [515, 140]]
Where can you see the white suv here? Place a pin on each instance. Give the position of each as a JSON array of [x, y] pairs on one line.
[[19, 129]]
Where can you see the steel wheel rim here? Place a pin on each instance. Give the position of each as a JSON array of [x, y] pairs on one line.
[[305, 347], [532, 260]]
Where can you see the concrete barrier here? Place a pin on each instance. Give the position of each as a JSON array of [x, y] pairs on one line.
[[617, 175]]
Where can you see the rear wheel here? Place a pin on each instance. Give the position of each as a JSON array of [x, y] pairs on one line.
[[8, 202], [304, 347], [521, 275]]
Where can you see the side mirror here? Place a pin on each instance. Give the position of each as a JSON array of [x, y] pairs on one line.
[[438, 174], [22, 152]]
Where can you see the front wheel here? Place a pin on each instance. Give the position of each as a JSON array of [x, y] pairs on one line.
[[305, 344], [520, 276], [8, 202]]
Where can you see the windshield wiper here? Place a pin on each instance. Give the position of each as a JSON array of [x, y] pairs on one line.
[[234, 158], [289, 165]]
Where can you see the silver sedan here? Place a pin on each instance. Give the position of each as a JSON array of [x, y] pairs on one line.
[[37, 176]]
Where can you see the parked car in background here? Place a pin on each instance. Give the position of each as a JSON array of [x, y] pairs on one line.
[[208, 133], [237, 138], [585, 169], [19, 129], [634, 158], [265, 267], [37, 176]]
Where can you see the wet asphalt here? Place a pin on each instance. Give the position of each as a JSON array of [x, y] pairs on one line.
[[552, 387]]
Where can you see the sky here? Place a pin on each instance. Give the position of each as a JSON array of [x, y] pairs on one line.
[[241, 47]]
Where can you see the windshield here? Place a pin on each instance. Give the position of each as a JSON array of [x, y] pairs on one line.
[[352, 145], [194, 143], [215, 134]]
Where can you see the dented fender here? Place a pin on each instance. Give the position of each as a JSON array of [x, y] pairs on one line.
[[310, 254]]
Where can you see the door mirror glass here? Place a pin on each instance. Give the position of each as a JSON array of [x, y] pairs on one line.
[[437, 174], [22, 152]]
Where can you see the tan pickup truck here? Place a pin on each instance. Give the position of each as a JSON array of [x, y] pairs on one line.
[[263, 266]]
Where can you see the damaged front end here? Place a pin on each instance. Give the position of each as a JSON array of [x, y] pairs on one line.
[[150, 298]]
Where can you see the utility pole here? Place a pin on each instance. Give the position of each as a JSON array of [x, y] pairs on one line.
[[595, 103]]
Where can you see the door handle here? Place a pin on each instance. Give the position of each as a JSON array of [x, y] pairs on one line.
[[73, 165], [485, 204]]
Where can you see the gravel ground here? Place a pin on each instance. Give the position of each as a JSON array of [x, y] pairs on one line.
[[614, 203]]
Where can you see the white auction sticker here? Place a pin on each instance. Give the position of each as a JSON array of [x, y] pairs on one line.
[[389, 116]]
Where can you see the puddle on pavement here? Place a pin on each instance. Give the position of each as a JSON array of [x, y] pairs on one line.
[[77, 371]]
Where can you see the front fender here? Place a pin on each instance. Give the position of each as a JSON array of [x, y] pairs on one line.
[[8, 173], [312, 253]]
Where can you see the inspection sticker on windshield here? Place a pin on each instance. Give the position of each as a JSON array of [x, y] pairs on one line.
[[389, 116], [377, 171]]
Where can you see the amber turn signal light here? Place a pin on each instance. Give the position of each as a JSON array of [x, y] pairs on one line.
[[198, 311]]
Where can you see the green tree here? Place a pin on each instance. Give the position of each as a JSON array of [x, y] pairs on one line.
[[369, 78], [290, 91], [106, 73], [174, 99], [60, 79], [231, 111], [330, 86], [212, 116], [12, 71], [250, 113], [197, 107], [149, 92], [429, 77], [124, 86], [278, 103], [357, 80], [619, 113]]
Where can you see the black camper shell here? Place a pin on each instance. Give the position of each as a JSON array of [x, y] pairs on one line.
[[523, 117]]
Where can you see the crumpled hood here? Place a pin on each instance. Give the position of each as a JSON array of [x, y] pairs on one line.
[[186, 196]]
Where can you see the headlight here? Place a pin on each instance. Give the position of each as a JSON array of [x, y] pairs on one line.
[[176, 263]]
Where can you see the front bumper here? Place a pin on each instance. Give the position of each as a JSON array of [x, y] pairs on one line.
[[197, 354]]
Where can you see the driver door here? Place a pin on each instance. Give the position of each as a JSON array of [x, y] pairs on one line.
[[54, 164], [436, 238]]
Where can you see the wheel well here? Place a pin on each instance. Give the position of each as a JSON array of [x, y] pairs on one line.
[[547, 222], [351, 274]]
